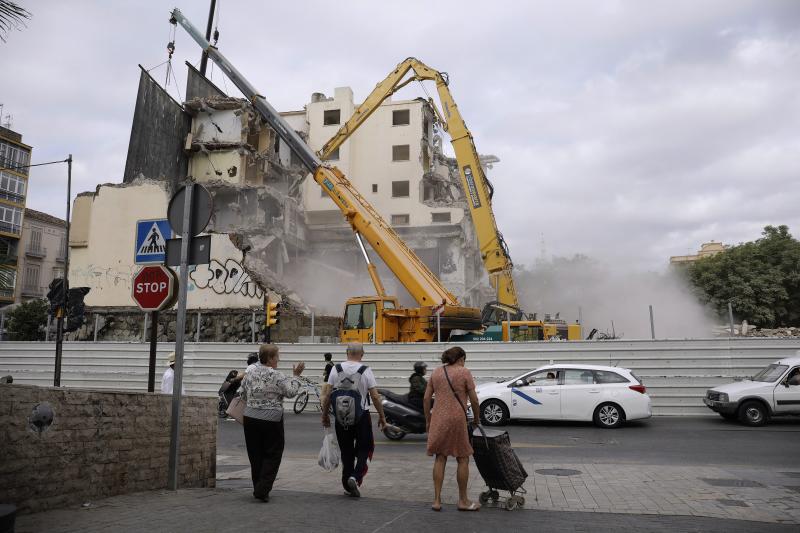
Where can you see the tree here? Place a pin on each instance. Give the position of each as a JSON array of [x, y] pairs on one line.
[[761, 279], [12, 16], [28, 321]]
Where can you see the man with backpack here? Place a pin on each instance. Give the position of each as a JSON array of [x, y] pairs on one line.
[[350, 387]]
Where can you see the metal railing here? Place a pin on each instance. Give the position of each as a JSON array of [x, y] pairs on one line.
[[10, 228], [32, 291]]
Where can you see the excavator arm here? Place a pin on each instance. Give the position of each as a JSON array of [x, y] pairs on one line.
[[477, 188], [416, 277]]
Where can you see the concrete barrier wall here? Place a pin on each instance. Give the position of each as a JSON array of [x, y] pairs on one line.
[[676, 372]]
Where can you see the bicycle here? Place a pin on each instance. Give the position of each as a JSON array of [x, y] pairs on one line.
[[301, 400]]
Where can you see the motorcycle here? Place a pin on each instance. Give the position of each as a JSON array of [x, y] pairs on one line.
[[402, 416]]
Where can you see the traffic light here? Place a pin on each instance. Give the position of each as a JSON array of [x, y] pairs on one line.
[[56, 295], [273, 313], [75, 308]]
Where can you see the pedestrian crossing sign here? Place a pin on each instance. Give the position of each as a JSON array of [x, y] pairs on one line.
[[151, 240]]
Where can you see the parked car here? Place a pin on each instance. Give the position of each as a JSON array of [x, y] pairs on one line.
[[606, 395], [774, 391]]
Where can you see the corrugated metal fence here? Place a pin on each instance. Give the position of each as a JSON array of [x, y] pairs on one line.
[[676, 372]]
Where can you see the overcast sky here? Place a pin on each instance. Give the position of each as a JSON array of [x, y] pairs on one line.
[[627, 131]]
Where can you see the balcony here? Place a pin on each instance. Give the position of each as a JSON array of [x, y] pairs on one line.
[[31, 291], [9, 258], [8, 227], [17, 198], [36, 251], [6, 293]]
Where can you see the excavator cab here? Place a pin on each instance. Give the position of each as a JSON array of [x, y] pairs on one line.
[[365, 321]]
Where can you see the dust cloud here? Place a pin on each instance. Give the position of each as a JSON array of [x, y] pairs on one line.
[[605, 294]]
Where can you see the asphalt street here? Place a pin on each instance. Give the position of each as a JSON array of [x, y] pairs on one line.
[[677, 441]]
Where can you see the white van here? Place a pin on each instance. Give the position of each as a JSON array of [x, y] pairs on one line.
[[774, 391]]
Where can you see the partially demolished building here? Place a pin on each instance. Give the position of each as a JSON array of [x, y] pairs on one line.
[[273, 230]]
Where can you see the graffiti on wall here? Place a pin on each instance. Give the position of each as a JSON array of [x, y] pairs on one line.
[[230, 278]]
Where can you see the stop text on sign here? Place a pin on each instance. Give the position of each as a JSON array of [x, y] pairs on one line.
[[151, 287]]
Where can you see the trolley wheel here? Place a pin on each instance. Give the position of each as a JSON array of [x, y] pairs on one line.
[[484, 497], [300, 402], [494, 495], [511, 503], [521, 501]]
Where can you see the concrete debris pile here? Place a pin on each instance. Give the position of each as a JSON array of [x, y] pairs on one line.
[[776, 332]]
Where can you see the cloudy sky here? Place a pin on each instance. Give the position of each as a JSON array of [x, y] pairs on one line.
[[627, 130]]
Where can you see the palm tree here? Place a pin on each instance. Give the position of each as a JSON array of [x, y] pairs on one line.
[[12, 17]]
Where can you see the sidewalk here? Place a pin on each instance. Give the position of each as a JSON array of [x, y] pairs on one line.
[[735, 493], [231, 507]]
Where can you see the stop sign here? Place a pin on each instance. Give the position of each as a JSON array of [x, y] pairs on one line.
[[154, 288]]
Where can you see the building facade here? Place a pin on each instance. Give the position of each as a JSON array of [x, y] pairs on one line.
[[43, 251], [15, 157], [707, 249]]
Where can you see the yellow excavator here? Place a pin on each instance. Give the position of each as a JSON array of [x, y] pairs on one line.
[[503, 319], [377, 318]]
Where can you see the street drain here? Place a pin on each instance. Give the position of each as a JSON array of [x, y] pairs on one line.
[[724, 482], [558, 472], [732, 503]]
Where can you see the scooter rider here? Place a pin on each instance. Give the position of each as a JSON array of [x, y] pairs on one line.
[[418, 383]]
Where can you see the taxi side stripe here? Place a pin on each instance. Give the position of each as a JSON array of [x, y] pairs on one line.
[[525, 396]]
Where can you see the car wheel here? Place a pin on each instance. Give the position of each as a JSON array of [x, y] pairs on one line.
[[494, 413], [753, 414], [608, 416]]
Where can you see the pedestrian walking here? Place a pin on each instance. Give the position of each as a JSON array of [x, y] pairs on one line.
[[350, 387], [263, 390], [328, 365], [169, 376], [448, 431]]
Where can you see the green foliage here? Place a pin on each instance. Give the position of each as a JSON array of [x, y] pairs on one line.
[[761, 279], [28, 321]]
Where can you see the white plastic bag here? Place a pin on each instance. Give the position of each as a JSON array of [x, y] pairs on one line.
[[329, 455]]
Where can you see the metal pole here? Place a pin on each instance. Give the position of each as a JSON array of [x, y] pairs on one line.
[[47, 331], [96, 323], [3, 325], [439, 327], [652, 325], [580, 320], [60, 317], [151, 371], [374, 329], [730, 316], [180, 321], [312, 327], [144, 329], [253, 327], [204, 59], [197, 332]]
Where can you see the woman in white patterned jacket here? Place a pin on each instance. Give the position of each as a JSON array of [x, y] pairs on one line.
[[263, 390]]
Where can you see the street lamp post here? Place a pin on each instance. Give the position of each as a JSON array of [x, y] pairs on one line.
[[62, 312]]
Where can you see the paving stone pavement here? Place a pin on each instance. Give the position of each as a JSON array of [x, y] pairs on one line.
[[600, 488], [231, 508]]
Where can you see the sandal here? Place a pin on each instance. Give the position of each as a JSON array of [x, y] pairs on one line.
[[435, 508], [472, 507]]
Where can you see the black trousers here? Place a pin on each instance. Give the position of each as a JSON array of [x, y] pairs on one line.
[[264, 442], [356, 444]]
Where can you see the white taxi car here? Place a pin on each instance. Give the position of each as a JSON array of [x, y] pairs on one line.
[[606, 395]]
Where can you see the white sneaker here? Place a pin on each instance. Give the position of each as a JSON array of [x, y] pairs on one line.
[[352, 486]]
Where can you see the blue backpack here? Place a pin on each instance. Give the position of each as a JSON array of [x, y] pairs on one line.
[[346, 398]]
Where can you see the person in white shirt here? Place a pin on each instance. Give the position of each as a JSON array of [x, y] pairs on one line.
[[169, 377], [356, 441]]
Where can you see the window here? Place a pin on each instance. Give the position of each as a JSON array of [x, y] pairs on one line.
[[770, 374], [427, 192], [543, 378], [440, 218], [374, 187], [32, 276], [62, 247], [401, 152], [400, 189], [401, 117], [579, 376], [604, 376], [334, 155], [359, 316], [10, 219], [400, 220], [14, 158], [8, 281], [12, 187], [331, 117]]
